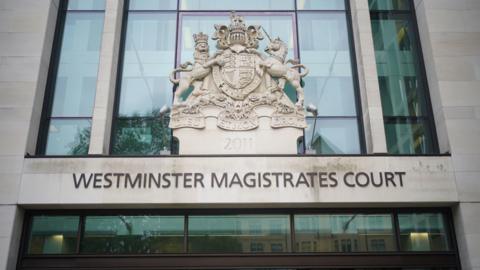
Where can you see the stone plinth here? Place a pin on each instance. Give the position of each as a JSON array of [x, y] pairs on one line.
[[217, 141]]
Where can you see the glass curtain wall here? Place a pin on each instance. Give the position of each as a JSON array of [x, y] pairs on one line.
[[409, 124], [73, 78], [316, 32]]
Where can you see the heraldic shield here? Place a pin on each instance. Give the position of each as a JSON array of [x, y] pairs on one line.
[[237, 77]]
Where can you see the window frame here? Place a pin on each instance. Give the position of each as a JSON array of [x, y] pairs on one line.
[[429, 118], [53, 67], [396, 258], [355, 80], [118, 82]]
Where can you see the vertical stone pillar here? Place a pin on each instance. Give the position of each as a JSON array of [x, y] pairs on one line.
[[450, 37], [10, 233], [368, 78], [26, 37], [107, 76]]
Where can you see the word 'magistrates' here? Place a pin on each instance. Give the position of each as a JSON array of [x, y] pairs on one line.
[[226, 180]]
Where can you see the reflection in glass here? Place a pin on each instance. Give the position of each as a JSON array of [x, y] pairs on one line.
[[86, 4], [389, 4], [402, 85], [411, 138], [78, 66], [333, 136], [133, 234], [321, 5], [344, 233], [146, 136], [423, 232], [324, 48], [68, 137], [74, 93], [236, 5], [398, 68], [240, 233], [53, 235], [148, 59], [152, 5]]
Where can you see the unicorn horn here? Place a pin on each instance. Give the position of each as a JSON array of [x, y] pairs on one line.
[[268, 36]]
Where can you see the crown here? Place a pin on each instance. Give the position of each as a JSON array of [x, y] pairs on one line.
[[200, 38], [237, 29]]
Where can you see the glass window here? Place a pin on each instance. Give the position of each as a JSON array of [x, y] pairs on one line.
[[68, 132], [236, 5], [68, 137], [423, 232], [152, 5], [239, 233], [333, 135], [141, 135], [389, 4], [321, 5], [148, 60], [408, 137], [325, 49], [86, 4], [53, 235], [344, 233], [403, 87], [133, 234]]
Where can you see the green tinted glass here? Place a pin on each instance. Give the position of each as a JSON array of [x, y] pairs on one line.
[[53, 235], [141, 136], [344, 233], [402, 83], [411, 137], [239, 234], [389, 4], [133, 234], [423, 232]]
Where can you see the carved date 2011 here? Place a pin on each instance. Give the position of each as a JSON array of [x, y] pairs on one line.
[[238, 144]]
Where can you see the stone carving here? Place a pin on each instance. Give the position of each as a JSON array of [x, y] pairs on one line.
[[276, 67], [238, 83], [196, 71]]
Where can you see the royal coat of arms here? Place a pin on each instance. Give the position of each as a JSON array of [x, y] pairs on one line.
[[237, 80]]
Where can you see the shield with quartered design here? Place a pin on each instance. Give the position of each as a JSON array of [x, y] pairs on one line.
[[237, 77]]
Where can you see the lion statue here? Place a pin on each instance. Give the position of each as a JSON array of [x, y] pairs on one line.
[[195, 73], [276, 67]]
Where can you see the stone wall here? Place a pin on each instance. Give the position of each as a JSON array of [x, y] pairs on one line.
[[450, 35]]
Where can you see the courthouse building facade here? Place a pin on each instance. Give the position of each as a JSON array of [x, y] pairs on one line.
[[98, 169]]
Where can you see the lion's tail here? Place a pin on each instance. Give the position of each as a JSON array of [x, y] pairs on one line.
[[305, 69], [187, 67]]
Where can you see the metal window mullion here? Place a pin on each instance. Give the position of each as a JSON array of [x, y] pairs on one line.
[[185, 234], [80, 233]]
